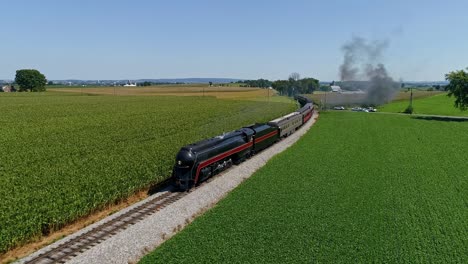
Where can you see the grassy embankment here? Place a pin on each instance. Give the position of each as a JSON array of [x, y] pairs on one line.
[[358, 188], [66, 155], [439, 104]]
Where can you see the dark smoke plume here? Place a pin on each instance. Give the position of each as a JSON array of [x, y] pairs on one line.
[[363, 62]]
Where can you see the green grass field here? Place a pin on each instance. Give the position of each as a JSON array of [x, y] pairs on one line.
[[439, 104], [64, 156], [357, 188]]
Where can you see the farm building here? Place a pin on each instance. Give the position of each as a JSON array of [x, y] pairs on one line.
[[336, 89], [129, 84], [6, 89]]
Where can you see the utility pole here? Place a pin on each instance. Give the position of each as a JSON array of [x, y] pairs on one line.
[[411, 98], [325, 105]]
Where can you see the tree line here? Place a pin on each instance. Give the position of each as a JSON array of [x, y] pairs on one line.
[[290, 87], [34, 81], [262, 83], [146, 83], [295, 85]]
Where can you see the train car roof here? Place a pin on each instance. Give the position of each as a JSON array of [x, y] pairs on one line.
[[305, 107], [284, 117]]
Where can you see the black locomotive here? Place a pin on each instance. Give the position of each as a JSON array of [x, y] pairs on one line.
[[199, 161]]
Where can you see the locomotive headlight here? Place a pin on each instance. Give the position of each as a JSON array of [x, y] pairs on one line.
[[179, 162]]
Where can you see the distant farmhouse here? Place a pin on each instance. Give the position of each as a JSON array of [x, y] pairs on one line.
[[336, 89], [8, 88], [130, 84]]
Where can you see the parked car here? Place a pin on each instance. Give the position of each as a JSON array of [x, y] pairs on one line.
[[339, 108]]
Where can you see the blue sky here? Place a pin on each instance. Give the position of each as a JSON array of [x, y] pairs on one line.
[[238, 39]]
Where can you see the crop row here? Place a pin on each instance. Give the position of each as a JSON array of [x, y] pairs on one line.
[[64, 156], [357, 188]]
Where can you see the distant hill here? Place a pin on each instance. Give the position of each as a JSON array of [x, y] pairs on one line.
[[192, 80], [164, 80]]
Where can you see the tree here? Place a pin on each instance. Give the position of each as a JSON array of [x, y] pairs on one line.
[[211, 83], [292, 87], [458, 87], [281, 86], [325, 88], [308, 85], [30, 79], [294, 76], [145, 83], [262, 83]]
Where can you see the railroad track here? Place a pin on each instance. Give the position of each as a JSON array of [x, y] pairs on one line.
[[76, 245], [72, 247], [98, 234]]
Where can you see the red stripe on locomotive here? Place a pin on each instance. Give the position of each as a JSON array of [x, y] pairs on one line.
[[220, 157], [260, 139]]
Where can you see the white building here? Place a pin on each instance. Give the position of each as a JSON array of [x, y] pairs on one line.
[[336, 89], [129, 84]]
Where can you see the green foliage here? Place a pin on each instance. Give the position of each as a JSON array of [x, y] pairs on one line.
[[66, 155], [438, 87], [409, 110], [358, 188], [325, 88], [458, 87], [438, 104], [308, 85], [145, 83], [30, 79], [294, 86], [262, 83]]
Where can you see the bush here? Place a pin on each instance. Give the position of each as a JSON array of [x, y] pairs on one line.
[[409, 110]]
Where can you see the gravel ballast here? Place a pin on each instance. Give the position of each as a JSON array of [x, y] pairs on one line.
[[137, 240]]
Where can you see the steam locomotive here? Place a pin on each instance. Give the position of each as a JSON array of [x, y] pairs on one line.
[[198, 161]]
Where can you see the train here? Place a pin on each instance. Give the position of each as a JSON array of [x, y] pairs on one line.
[[201, 160]]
